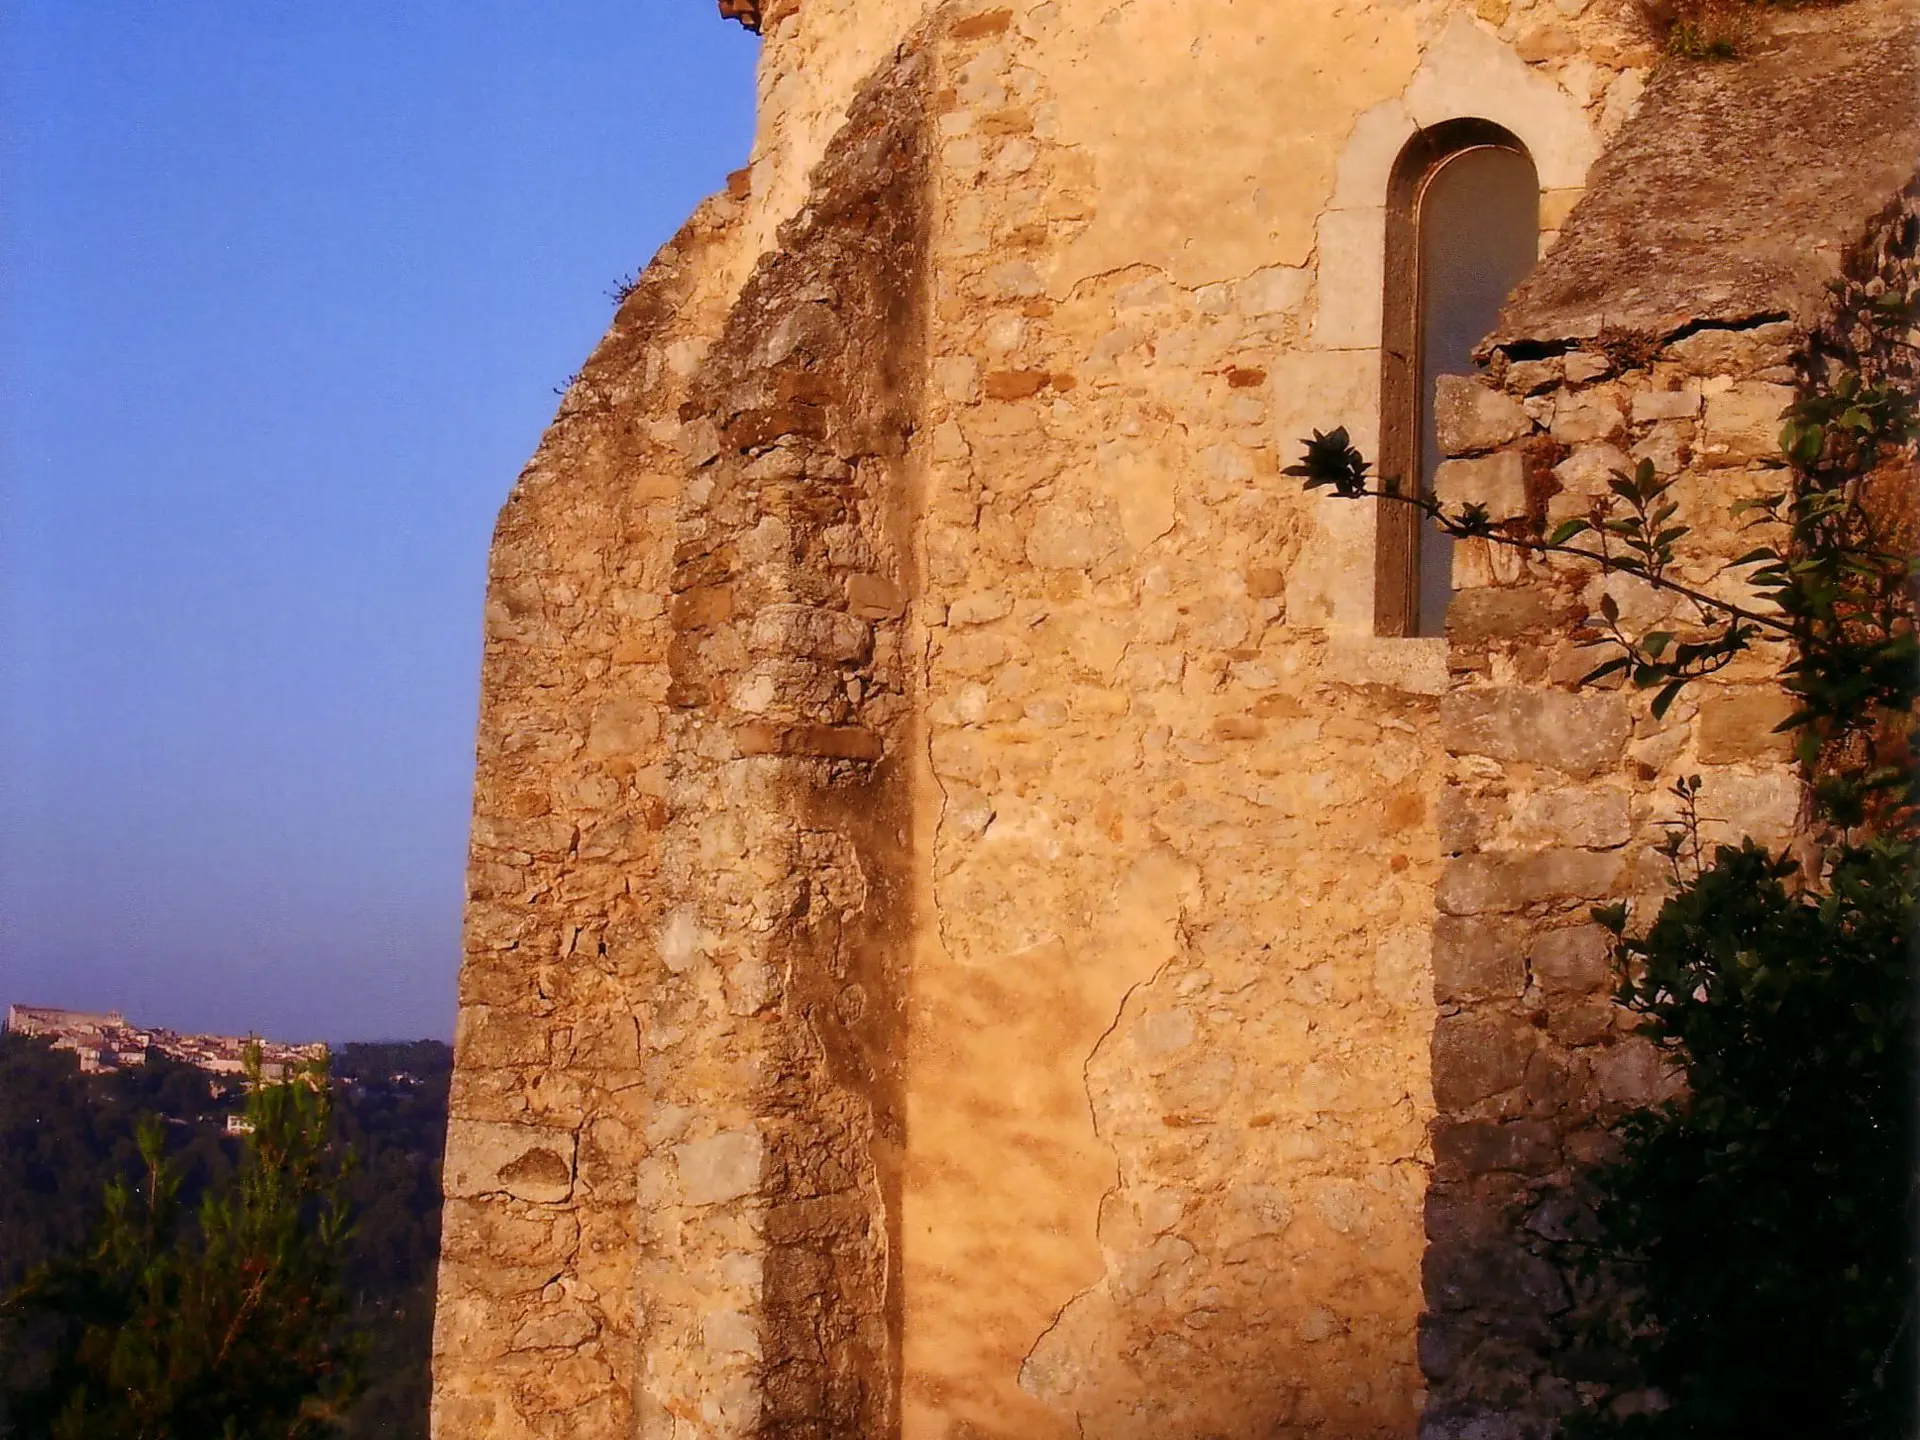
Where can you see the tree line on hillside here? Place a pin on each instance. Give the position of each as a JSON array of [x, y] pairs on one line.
[[128, 1189]]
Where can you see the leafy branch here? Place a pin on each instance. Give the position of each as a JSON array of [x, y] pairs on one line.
[[1836, 590]]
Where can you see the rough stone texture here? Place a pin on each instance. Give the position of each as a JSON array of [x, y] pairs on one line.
[[1723, 200], [970, 934], [1559, 796]]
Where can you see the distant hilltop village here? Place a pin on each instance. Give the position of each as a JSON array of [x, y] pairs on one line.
[[109, 1042]]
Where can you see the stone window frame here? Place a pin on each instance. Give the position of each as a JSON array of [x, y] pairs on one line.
[[1466, 73], [1396, 553]]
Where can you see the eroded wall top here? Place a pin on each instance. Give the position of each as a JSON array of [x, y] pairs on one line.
[[1736, 187]]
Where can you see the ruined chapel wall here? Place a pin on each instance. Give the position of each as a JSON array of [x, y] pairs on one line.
[[1168, 1064], [536, 1324], [668, 1169]]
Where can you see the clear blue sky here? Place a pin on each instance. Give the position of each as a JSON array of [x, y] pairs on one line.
[[285, 293]]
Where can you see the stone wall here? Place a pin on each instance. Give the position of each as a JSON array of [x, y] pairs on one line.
[[1165, 1175], [687, 849], [772, 1075], [1560, 795], [536, 1328], [951, 942], [1615, 353]]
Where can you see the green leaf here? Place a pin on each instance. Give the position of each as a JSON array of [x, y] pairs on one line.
[[1566, 530]]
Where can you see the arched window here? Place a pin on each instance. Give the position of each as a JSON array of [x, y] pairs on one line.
[[1463, 228]]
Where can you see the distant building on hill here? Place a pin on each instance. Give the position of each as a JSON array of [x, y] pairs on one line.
[[108, 1042]]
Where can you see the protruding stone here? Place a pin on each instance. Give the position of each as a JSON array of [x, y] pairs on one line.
[[1577, 960], [1476, 1057], [1743, 424], [1739, 725], [1578, 419], [1477, 958], [1497, 483], [1582, 735], [1479, 1146], [1470, 418], [1481, 884], [1652, 405], [529, 1162], [722, 1168], [812, 633]]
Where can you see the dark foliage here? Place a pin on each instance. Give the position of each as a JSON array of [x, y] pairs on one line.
[[65, 1137], [224, 1320], [1770, 1213]]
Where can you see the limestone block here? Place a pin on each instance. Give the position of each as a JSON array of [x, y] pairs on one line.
[[1736, 352], [1582, 367], [979, 608], [702, 608], [1669, 445], [811, 632], [1469, 72], [724, 1167], [1574, 961], [1477, 958], [1479, 884], [1580, 734], [1765, 806], [822, 742], [1366, 162], [1743, 423], [534, 1163], [1476, 1057], [1464, 820], [1544, 42], [623, 728], [1276, 290], [1588, 469], [1492, 612], [486, 1037], [1498, 483], [1492, 1276], [1651, 405], [1530, 377], [1634, 1073], [874, 597], [1071, 537], [1415, 665], [1579, 419], [1737, 724], [1591, 819], [1477, 1147], [1469, 417]]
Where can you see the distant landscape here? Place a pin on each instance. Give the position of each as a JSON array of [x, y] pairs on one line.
[[64, 1134]]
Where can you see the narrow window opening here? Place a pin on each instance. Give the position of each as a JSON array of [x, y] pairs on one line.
[[1463, 230]]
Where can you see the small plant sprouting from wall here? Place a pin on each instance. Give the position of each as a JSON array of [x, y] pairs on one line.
[[623, 287]]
